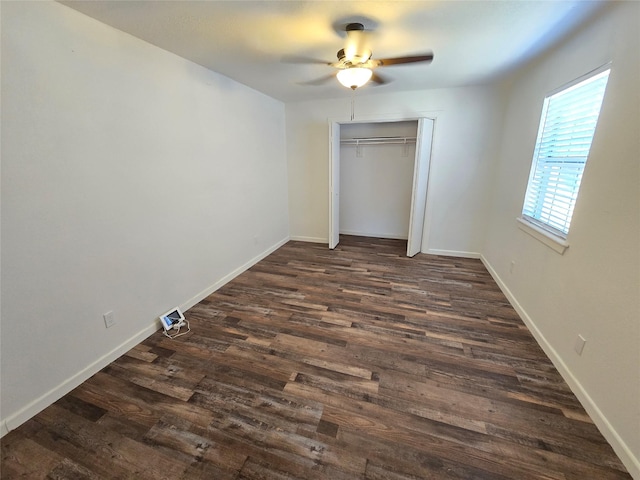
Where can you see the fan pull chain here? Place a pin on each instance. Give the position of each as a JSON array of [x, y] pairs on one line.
[[353, 104]]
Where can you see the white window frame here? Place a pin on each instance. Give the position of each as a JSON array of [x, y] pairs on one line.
[[539, 214]]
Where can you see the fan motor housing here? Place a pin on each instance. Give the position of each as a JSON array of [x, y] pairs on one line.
[[356, 60]]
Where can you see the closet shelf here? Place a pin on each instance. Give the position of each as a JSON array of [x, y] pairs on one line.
[[378, 141]]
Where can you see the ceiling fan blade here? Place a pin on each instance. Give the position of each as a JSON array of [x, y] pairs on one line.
[[298, 59], [385, 62], [380, 80], [318, 81]]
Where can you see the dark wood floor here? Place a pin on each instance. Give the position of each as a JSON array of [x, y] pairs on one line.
[[357, 363]]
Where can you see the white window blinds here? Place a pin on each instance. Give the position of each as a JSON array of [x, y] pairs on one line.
[[567, 125]]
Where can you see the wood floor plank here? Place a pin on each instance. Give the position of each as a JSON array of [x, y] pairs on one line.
[[25, 458], [356, 363], [105, 452]]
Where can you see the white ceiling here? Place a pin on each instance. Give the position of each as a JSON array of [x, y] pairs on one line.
[[252, 42]]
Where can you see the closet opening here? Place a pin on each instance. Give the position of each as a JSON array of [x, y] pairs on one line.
[[378, 180]]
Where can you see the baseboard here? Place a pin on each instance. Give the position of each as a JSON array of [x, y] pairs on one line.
[[3, 428], [227, 278], [452, 253], [626, 455], [393, 236], [36, 406], [310, 239], [30, 410]]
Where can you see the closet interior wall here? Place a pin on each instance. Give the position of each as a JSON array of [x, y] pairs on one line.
[[376, 179]]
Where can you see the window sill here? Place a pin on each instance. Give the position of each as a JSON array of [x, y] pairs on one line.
[[557, 244]]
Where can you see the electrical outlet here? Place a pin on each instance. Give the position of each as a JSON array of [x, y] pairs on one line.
[[109, 319], [512, 266], [579, 345]]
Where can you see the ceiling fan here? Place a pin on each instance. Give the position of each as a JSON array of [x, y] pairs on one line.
[[355, 63]]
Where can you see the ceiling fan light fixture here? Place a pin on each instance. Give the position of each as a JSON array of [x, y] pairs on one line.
[[354, 77]]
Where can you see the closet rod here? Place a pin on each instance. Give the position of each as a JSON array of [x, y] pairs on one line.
[[377, 140]]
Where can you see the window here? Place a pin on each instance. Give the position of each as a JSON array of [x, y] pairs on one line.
[[568, 122]]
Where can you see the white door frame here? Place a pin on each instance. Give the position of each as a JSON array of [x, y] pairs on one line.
[[334, 173], [334, 184]]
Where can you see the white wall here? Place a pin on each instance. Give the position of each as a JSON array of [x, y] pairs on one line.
[[594, 288], [376, 183], [132, 180], [465, 132]]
